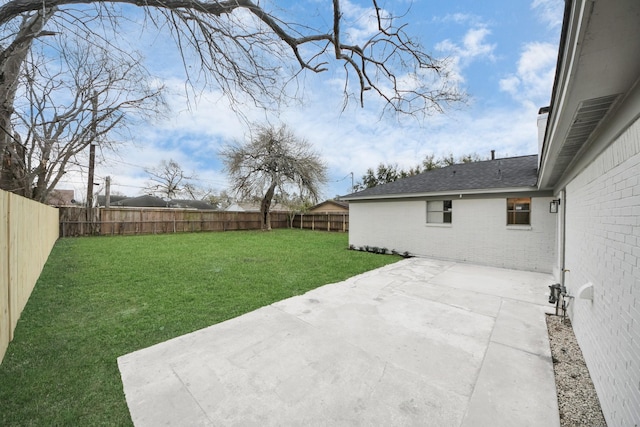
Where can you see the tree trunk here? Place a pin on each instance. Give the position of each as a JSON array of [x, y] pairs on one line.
[[12, 166], [265, 217]]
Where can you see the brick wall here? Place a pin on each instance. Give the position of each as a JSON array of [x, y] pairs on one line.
[[478, 232], [603, 248]]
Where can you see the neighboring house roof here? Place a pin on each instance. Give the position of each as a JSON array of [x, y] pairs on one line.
[[254, 207], [192, 204], [102, 200], [235, 207], [499, 174], [142, 202], [60, 198], [149, 201], [330, 205]]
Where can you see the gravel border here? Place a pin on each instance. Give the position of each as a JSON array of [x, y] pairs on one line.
[[577, 398]]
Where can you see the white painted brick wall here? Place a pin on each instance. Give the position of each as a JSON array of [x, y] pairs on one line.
[[603, 248], [478, 232]]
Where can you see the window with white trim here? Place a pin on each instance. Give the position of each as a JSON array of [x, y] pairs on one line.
[[519, 211], [439, 211]]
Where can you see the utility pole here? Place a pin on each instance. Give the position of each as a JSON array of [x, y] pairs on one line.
[[92, 151], [92, 160], [107, 184]]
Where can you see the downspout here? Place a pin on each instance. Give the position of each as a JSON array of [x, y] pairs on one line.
[[563, 236], [558, 294]]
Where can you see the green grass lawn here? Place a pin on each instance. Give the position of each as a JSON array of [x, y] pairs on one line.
[[103, 297]]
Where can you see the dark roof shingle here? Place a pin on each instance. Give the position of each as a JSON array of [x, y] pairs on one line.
[[511, 172]]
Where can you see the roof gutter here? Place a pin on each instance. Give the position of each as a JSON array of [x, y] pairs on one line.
[[553, 110]]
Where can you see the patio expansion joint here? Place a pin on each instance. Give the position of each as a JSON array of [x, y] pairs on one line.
[[532, 353], [492, 340], [188, 389], [477, 376]]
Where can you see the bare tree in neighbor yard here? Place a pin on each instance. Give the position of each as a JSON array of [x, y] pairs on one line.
[[167, 180], [274, 159]]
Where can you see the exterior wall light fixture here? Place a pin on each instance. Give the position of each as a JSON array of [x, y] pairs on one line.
[[553, 206]]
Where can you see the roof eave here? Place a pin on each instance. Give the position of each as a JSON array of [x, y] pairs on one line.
[[597, 68], [444, 193]]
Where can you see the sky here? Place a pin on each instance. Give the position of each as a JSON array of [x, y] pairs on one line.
[[502, 53]]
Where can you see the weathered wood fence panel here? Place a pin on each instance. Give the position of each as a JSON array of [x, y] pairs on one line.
[[128, 221], [73, 222], [323, 222], [28, 231]]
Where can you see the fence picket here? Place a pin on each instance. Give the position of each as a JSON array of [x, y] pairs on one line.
[[28, 231]]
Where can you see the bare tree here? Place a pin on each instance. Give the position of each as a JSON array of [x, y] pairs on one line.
[[295, 205], [222, 200], [90, 95], [194, 191], [241, 48], [168, 180], [274, 159]]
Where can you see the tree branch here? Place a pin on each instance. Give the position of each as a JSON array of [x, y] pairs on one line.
[[229, 51]]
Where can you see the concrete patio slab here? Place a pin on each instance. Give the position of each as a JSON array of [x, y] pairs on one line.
[[419, 342]]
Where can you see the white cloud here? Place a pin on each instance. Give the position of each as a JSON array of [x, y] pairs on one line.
[[510, 84], [473, 46], [460, 18], [359, 23], [534, 76], [549, 11]]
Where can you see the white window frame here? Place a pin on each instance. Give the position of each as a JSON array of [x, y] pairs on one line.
[[520, 206], [439, 211]]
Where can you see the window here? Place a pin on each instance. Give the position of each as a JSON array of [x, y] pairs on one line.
[[439, 212], [519, 211]]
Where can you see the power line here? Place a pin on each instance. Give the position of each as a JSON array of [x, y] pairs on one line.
[[211, 181], [350, 174]]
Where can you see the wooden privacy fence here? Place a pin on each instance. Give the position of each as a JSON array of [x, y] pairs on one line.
[[28, 231], [128, 221], [323, 222]]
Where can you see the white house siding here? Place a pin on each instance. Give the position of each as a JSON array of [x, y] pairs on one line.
[[478, 232], [603, 248]]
